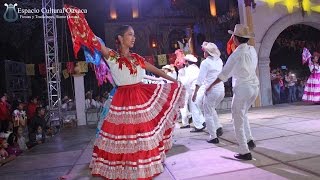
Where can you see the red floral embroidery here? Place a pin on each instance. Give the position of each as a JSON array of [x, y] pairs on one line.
[[137, 60]]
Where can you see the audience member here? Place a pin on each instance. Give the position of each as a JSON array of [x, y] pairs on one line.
[[13, 146], [4, 113]]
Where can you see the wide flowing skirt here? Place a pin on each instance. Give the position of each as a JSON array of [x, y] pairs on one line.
[[312, 89], [137, 131]]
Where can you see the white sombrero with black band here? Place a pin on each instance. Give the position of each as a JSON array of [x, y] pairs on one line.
[[241, 30]]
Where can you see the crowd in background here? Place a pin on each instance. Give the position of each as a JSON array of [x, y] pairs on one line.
[[22, 126], [287, 87]]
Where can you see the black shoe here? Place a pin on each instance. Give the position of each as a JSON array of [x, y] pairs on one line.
[[204, 125], [214, 141], [251, 145], [185, 127], [195, 130], [219, 132], [246, 157]]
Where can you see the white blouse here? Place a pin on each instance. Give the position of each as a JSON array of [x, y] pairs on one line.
[[122, 76]]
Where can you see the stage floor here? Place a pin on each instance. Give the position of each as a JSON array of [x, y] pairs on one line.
[[287, 138]]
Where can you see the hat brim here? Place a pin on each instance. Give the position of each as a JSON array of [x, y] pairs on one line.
[[190, 60], [244, 36], [206, 50]]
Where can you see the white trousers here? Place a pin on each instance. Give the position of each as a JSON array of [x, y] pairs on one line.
[[185, 111], [243, 97], [196, 108], [211, 101]]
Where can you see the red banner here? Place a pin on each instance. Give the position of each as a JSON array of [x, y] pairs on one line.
[[149, 59], [172, 58], [42, 69], [70, 67]]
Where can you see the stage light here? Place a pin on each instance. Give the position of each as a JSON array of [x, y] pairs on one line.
[[135, 9], [113, 10], [213, 8]]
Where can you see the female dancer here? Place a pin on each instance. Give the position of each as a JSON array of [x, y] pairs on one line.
[[137, 130], [312, 88]]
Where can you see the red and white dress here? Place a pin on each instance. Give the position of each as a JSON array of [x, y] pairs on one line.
[[138, 128], [312, 87]]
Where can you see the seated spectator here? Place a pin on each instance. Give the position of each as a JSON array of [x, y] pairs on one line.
[[13, 146], [4, 113], [67, 104], [4, 155], [37, 136], [38, 120], [21, 140], [64, 106], [90, 102]]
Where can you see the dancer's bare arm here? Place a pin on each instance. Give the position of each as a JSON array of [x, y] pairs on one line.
[[105, 51], [156, 71]]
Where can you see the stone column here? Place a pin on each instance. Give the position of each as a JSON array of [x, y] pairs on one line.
[[248, 14], [79, 98], [265, 81]]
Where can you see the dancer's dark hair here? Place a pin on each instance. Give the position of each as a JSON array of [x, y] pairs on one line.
[[242, 39], [120, 32]]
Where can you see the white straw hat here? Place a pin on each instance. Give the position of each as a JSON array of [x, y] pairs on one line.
[[241, 30], [211, 48]]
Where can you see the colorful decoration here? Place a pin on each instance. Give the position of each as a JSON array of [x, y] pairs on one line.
[[30, 69], [162, 59], [83, 66], [65, 73], [103, 73], [306, 55], [306, 5], [95, 57], [81, 33], [70, 67]]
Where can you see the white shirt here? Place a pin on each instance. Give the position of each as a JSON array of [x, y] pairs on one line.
[[241, 66], [210, 68], [191, 76], [91, 104]]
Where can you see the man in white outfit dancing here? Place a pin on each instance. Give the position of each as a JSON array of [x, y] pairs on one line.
[[191, 75], [241, 66], [210, 68]]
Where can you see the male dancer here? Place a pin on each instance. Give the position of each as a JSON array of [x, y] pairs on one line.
[[191, 75], [241, 66]]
